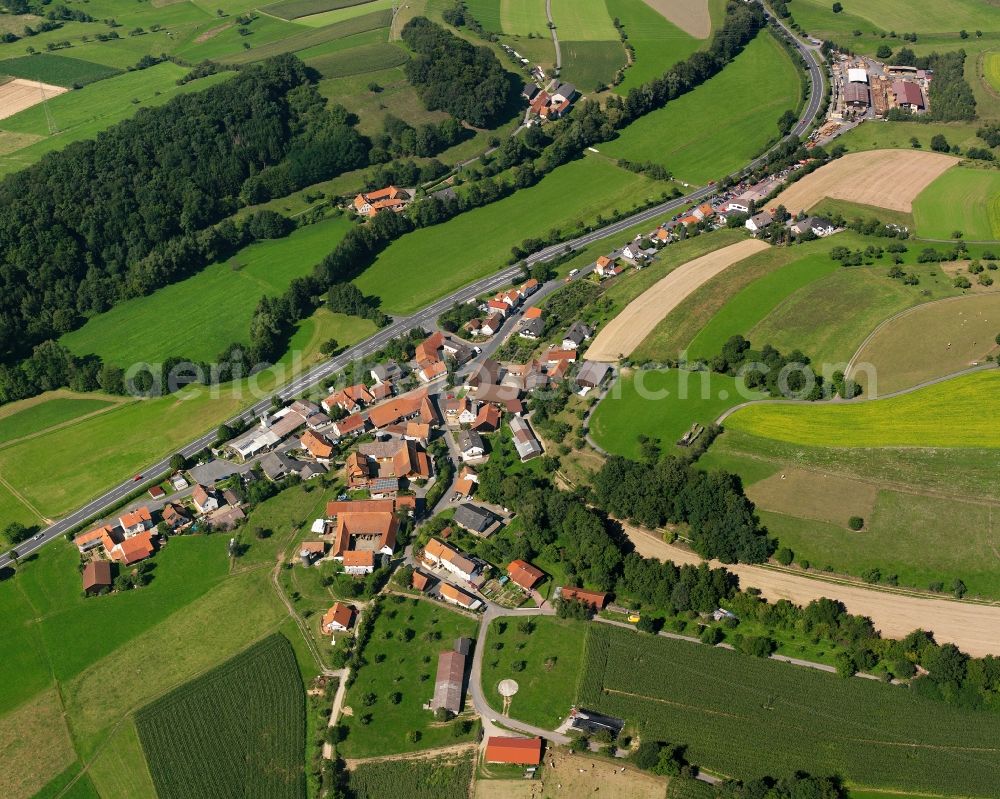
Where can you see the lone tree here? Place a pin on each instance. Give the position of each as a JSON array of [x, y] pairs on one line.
[[856, 523]]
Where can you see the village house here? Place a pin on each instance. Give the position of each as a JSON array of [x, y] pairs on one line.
[[135, 521], [504, 397], [557, 356], [458, 411], [458, 597], [317, 446], [575, 336], [758, 222], [205, 499], [477, 519], [351, 399], [338, 618], [633, 253], [465, 483], [607, 267], [415, 405], [390, 198], [174, 516], [358, 562], [528, 287], [488, 373], [470, 445], [488, 419], [525, 443], [349, 426], [524, 574], [387, 372], [533, 328], [492, 324], [596, 599], [438, 553]]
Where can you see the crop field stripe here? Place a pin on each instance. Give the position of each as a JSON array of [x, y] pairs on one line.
[[243, 724], [357, 60], [311, 38], [292, 9], [991, 70], [866, 732], [57, 69], [344, 14], [954, 413]]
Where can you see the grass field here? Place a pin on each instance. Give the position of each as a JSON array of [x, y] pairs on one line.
[[552, 653], [433, 261], [817, 17], [82, 788], [876, 135], [954, 335], [829, 318], [991, 70], [966, 200], [84, 113], [243, 725], [120, 770], [583, 20], [715, 701], [661, 405], [56, 69], [222, 297], [325, 18], [35, 742], [359, 60], [739, 315], [43, 415], [393, 665], [955, 413], [682, 137], [439, 778], [291, 9], [520, 17], [591, 64], [658, 43]]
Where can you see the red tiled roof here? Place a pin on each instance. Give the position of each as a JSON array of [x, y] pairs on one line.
[[359, 557], [336, 507], [340, 613], [134, 549], [524, 574], [137, 516], [597, 599], [522, 751], [96, 574]]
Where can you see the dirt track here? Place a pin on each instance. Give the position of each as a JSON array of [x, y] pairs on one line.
[[973, 628], [626, 331], [18, 94], [884, 178], [691, 16]]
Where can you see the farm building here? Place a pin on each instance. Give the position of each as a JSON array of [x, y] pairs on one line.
[[525, 443], [390, 198], [908, 95], [449, 684], [458, 597], [857, 75], [592, 374], [438, 553], [519, 751], [96, 576], [857, 95]]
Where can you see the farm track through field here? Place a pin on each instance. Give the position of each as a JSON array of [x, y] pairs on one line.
[[68, 423], [426, 754]]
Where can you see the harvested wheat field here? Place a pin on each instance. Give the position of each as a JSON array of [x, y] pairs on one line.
[[691, 16], [974, 628], [18, 94], [884, 178], [626, 331]]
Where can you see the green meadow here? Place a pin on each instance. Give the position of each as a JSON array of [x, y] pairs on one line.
[[661, 404], [40, 416], [961, 200], [218, 301], [683, 136], [343, 14], [517, 17], [433, 261], [922, 16], [582, 20], [591, 64], [658, 43], [55, 69]]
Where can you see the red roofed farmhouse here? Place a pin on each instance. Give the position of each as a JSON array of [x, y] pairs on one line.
[[521, 751]]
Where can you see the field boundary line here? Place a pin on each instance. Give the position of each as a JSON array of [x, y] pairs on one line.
[[20, 498], [68, 423], [426, 754]]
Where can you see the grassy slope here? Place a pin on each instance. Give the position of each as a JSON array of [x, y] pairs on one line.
[[661, 405], [924, 16], [553, 654], [658, 43], [966, 200], [683, 135], [221, 297], [583, 20], [521, 17], [402, 670], [956, 413], [343, 14], [829, 318], [435, 260]]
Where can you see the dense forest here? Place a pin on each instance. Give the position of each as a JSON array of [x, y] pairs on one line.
[[454, 76], [89, 226]]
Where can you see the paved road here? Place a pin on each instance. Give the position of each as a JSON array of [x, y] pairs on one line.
[[424, 318]]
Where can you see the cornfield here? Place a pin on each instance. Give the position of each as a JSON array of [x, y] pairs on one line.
[[748, 717], [413, 779], [236, 732]]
